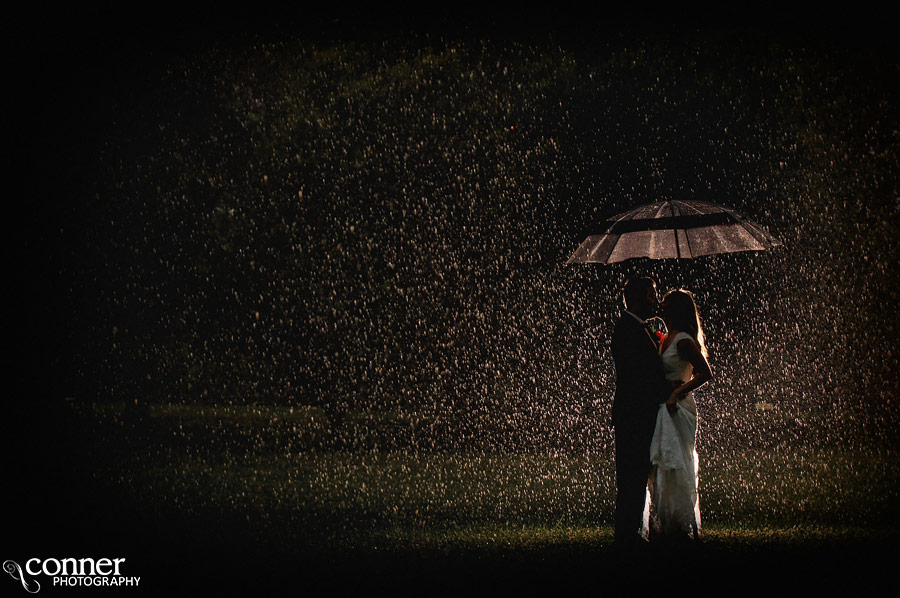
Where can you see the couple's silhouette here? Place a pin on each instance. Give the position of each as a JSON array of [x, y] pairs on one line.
[[654, 414]]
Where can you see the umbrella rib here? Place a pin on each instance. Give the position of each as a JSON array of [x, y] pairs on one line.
[[618, 219], [672, 207], [610, 240], [606, 246], [687, 239], [750, 227]]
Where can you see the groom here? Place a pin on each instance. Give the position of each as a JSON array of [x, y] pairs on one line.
[[640, 387]]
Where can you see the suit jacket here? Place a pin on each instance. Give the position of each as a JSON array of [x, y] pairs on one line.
[[640, 380]]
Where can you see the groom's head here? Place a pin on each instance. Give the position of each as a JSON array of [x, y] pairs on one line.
[[640, 296]]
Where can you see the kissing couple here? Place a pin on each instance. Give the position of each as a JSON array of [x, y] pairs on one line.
[[654, 415]]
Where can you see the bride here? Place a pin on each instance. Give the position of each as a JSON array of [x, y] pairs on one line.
[[674, 509]]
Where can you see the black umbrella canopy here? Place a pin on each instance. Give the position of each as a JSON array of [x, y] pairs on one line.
[[673, 229]]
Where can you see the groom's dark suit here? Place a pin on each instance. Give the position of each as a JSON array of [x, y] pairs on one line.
[[640, 387]]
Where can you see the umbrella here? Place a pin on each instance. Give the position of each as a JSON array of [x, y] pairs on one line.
[[673, 229]]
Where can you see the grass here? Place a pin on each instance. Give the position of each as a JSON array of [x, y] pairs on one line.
[[234, 483], [239, 459]]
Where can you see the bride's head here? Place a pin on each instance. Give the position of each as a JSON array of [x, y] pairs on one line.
[[680, 312]]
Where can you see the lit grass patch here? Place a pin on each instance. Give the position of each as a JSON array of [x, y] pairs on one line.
[[237, 465]]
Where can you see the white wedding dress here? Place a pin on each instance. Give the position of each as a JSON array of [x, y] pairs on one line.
[[673, 506]]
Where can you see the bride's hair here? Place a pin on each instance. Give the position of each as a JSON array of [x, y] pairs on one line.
[[681, 309]]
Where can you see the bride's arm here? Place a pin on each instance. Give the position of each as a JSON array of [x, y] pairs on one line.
[[690, 351]]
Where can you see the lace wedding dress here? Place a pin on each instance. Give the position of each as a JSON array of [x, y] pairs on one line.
[[673, 508]]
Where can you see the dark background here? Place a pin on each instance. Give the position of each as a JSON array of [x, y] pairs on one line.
[[84, 85]]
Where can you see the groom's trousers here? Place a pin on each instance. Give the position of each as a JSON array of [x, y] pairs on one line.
[[632, 468]]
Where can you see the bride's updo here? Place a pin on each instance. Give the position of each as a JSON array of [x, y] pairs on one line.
[[681, 310]]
